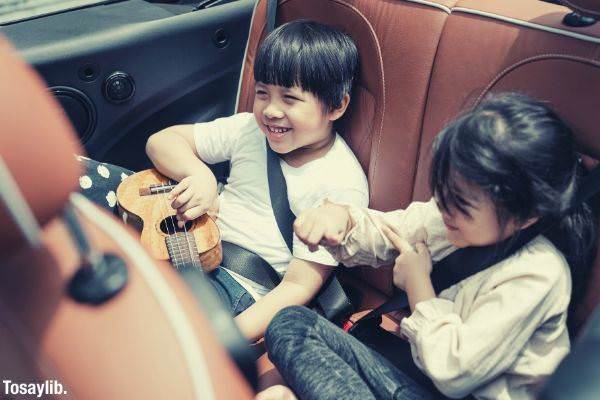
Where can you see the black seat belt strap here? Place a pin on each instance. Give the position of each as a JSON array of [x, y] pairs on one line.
[[279, 200], [332, 300], [271, 15], [452, 269]]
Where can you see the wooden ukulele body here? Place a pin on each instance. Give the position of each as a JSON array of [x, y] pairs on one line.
[[153, 215]]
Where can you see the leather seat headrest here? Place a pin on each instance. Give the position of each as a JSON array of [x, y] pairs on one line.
[[37, 145]]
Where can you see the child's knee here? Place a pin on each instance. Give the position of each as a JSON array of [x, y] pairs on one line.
[[289, 323]]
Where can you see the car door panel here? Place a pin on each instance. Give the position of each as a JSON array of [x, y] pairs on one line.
[[184, 66]]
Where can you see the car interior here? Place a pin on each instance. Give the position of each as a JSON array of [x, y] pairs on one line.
[[99, 80]]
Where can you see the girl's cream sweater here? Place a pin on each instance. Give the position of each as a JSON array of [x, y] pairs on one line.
[[496, 334]]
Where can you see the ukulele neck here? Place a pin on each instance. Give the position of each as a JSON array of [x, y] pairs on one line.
[[182, 250]]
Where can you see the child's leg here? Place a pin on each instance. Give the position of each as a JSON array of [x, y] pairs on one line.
[[99, 182], [231, 293], [320, 361]]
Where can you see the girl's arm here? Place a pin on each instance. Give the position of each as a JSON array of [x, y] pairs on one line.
[[366, 244], [463, 346]]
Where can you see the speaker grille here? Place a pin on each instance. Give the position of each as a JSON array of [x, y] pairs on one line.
[[78, 108]]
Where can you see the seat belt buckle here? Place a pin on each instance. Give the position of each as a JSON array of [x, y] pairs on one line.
[[363, 326]]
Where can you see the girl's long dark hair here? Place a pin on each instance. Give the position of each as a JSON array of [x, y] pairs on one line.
[[523, 155]]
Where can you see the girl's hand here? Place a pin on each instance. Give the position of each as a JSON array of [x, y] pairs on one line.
[[412, 263], [326, 225], [193, 197]]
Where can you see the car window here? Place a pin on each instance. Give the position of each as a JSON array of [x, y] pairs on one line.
[[17, 10]]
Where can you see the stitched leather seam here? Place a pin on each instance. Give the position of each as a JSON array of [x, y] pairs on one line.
[[528, 24], [528, 60], [442, 7], [424, 112], [383, 86], [240, 82]]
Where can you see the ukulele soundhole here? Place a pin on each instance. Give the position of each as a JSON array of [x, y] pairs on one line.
[[169, 226]]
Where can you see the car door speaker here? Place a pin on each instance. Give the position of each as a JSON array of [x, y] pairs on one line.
[[78, 108]]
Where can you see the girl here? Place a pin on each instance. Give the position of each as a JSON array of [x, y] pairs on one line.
[[507, 164]]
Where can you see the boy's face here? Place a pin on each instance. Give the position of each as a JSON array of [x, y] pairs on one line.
[[292, 118]]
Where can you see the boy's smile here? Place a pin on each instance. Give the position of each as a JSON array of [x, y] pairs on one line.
[[295, 122], [276, 133]]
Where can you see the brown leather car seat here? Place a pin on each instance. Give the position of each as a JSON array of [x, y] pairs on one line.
[[516, 45], [383, 125], [435, 59], [150, 341]]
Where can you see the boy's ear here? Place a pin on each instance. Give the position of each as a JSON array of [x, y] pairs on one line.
[[337, 113]]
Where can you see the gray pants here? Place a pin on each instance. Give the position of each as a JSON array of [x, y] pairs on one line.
[[320, 361]]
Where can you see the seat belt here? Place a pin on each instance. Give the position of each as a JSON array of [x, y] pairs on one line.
[[452, 269], [468, 261], [271, 15], [331, 300]]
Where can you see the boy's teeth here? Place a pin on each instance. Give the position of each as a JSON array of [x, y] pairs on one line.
[[278, 130]]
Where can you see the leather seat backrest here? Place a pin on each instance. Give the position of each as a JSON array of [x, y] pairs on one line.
[[397, 42], [514, 45], [150, 341], [44, 161]]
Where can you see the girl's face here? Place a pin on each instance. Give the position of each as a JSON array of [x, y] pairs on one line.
[[292, 118], [481, 226]]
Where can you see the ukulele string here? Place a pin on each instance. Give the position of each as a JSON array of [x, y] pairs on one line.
[[170, 217], [187, 238]]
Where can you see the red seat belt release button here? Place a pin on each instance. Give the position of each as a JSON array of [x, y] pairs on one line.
[[347, 325]]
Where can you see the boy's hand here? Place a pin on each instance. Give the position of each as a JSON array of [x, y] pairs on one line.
[[193, 196], [413, 264], [326, 225]]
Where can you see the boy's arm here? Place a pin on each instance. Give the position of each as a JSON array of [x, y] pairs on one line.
[[173, 153], [300, 284]]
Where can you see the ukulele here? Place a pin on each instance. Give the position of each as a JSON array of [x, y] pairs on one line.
[[143, 203]]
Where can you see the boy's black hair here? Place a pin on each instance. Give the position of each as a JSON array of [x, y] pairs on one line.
[[523, 156], [317, 58]]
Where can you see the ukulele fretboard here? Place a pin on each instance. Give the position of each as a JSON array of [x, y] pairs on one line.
[[182, 250]]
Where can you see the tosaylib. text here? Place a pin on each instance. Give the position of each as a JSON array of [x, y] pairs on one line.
[[39, 389]]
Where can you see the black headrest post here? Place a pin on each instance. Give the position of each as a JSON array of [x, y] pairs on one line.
[[101, 276]]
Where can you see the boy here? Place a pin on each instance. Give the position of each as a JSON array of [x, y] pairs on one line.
[[303, 73]]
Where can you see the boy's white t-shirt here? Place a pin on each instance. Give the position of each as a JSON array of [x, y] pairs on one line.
[[245, 214]]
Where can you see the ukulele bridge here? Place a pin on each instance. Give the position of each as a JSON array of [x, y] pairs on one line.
[[155, 189]]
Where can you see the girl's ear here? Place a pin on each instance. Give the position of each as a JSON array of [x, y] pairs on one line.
[[336, 113]]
